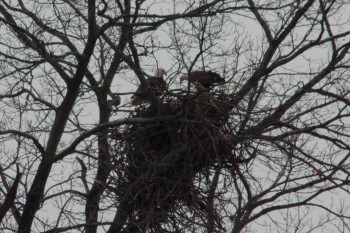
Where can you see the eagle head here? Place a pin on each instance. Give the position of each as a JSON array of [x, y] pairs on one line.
[[183, 77], [160, 72]]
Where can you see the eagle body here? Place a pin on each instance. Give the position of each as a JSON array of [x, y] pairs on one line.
[[155, 83], [206, 79]]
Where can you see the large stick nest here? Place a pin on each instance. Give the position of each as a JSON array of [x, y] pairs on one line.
[[164, 157]]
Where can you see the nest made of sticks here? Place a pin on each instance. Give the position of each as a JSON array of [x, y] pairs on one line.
[[164, 157]]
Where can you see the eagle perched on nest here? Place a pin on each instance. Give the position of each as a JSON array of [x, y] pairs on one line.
[[155, 83], [203, 79]]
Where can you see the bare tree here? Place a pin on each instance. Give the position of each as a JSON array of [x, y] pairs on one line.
[[266, 150]]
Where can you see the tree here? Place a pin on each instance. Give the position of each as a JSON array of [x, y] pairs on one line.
[[268, 150]]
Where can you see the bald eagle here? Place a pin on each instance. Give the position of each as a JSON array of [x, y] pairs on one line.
[[203, 79], [155, 83]]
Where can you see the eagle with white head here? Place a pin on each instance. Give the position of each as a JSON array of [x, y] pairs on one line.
[[203, 79], [156, 83]]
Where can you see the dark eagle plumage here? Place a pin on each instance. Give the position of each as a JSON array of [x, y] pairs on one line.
[[206, 79], [155, 83]]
